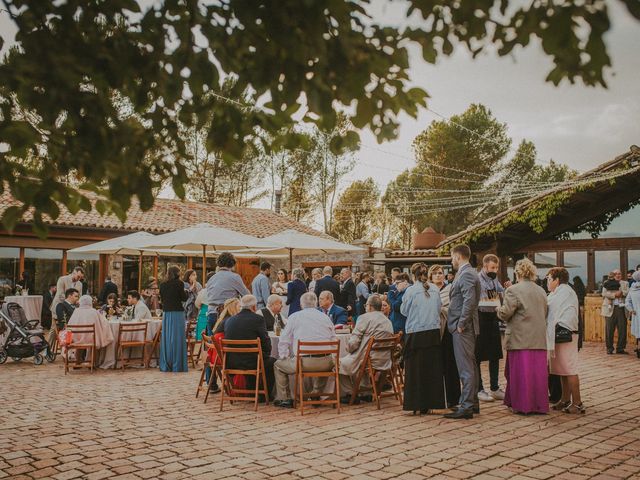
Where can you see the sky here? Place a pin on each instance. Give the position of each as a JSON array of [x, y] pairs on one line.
[[572, 124]]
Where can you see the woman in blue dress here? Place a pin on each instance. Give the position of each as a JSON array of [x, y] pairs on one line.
[[173, 342]]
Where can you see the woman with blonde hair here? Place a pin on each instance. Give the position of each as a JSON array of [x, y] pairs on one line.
[[449, 367], [231, 307], [525, 312]]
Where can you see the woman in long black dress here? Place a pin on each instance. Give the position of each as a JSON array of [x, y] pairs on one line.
[[423, 389], [450, 369]]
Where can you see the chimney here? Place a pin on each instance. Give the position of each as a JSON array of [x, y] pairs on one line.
[[428, 239], [278, 195]]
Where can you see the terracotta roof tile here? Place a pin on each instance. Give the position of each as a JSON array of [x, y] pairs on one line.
[[168, 215]]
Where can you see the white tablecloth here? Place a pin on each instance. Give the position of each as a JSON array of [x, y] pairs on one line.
[[108, 354], [32, 305]]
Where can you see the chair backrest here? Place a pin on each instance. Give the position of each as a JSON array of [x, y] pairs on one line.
[[319, 348], [82, 330], [241, 346], [388, 343], [191, 328], [132, 328]]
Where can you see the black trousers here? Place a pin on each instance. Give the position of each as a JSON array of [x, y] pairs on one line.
[[617, 320]]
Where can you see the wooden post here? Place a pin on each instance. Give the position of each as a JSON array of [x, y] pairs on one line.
[[155, 267], [204, 265], [290, 260], [21, 264], [64, 262], [140, 272]]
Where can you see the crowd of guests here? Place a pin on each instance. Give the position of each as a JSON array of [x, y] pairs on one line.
[[450, 324]]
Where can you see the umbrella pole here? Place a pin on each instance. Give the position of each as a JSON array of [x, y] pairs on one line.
[[204, 265], [290, 260], [140, 272]]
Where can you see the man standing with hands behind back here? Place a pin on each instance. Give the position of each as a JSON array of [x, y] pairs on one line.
[[463, 324]]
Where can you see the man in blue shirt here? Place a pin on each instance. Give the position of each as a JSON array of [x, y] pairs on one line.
[[261, 286]]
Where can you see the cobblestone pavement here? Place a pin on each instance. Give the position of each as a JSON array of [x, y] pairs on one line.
[[145, 424]]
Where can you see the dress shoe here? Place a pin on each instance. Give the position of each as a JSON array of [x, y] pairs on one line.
[[622, 352], [346, 400], [459, 414], [284, 403], [214, 389], [609, 352], [476, 409]]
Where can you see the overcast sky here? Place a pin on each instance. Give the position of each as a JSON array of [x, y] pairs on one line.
[[573, 124]]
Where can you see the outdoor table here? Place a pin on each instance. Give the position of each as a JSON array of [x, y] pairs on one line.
[[108, 355], [32, 305], [329, 386]]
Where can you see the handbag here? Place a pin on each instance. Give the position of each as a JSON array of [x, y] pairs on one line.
[[563, 335]]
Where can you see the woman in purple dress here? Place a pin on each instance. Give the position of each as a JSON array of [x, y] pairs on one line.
[[525, 312]]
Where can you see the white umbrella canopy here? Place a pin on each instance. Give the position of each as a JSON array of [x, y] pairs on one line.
[[219, 239], [204, 235], [291, 241], [126, 245]]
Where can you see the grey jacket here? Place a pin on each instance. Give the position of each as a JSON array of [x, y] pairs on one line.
[[464, 297]]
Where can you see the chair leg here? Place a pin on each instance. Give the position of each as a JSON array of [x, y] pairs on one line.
[[200, 382], [212, 376], [301, 391], [372, 379], [93, 358], [356, 386], [337, 389], [265, 387]]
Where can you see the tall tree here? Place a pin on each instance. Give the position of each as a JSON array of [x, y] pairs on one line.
[[398, 199], [331, 167], [353, 215], [57, 82], [454, 159]]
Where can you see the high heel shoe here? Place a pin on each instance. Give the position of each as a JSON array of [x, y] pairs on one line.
[[571, 408], [561, 405]]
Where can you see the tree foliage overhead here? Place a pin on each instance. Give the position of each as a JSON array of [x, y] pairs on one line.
[[97, 88]]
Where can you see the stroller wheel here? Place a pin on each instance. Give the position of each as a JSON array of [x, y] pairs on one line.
[[50, 355], [38, 359], [3, 356]]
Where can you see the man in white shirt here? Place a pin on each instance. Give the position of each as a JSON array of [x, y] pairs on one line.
[[307, 325], [140, 310]]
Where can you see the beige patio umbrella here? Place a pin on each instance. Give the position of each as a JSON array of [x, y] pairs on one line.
[[290, 241], [127, 245], [205, 236]]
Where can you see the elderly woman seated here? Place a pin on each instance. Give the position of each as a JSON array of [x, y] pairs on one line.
[[85, 314]]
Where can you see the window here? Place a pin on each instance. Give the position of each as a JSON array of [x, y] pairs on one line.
[[545, 260], [634, 259], [626, 225], [606, 261], [9, 264], [42, 267], [576, 265]]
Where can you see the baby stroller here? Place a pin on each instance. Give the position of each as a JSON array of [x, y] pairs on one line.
[[23, 338]]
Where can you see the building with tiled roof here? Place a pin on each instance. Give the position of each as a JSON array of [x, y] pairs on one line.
[[46, 259]]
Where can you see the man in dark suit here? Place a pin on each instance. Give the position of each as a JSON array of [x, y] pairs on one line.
[[107, 288], [338, 315], [463, 324], [47, 300], [248, 325], [347, 298], [327, 283], [271, 312]]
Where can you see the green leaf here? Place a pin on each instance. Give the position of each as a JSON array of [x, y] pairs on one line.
[[11, 217]]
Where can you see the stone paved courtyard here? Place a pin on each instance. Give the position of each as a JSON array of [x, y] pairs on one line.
[[144, 424]]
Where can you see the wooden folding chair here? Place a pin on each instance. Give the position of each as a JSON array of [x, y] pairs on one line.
[[127, 333], [192, 342], [231, 393], [88, 346], [379, 377], [306, 349], [154, 350], [215, 365]]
